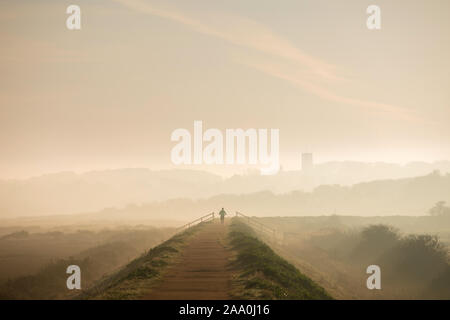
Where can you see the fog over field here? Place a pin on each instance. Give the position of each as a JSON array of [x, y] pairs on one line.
[[329, 231], [224, 150], [316, 190]]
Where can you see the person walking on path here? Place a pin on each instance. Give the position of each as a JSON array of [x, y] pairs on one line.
[[222, 215]]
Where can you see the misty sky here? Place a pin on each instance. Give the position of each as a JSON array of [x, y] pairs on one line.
[[110, 95]]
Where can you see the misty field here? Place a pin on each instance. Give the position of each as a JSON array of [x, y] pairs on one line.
[[412, 252], [33, 262], [333, 251]]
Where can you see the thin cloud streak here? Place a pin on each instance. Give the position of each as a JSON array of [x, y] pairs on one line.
[[322, 93], [242, 32], [250, 34]]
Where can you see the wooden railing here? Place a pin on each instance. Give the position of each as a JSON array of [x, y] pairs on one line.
[[258, 226], [205, 218]]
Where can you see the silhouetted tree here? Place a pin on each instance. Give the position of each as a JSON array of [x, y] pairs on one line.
[[439, 209], [375, 240], [417, 260]]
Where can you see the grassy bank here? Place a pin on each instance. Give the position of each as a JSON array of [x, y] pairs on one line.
[[264, 274], [140, 275]]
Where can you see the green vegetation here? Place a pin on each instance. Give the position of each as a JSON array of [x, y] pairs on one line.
[[141, 274], [414, 266], [265, 275]]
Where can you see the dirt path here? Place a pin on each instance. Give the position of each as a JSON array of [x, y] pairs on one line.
[[202, 272]]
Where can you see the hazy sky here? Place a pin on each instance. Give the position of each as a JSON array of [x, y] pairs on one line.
[[109, 95]]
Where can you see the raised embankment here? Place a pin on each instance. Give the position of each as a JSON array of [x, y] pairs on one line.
[[209, 261]]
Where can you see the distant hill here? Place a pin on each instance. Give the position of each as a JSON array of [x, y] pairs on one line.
[[410, 196], [69, 193]]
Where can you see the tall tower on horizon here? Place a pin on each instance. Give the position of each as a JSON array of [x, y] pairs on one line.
[[307, 161]]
